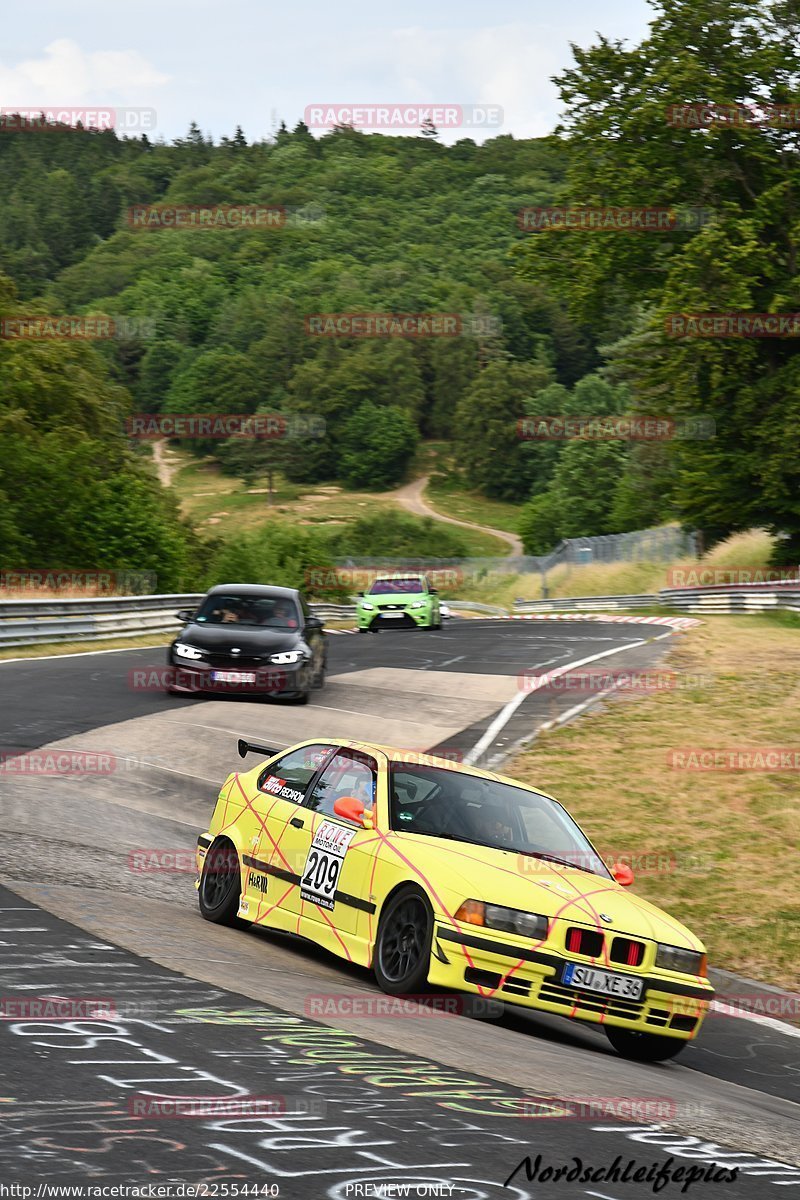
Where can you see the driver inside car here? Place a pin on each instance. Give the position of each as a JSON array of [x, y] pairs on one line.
[[491, 823]]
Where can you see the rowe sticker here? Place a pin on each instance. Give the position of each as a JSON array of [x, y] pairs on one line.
[[325, 857], [277, 787]]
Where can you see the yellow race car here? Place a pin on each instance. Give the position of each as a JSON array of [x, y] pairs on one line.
[[443, 875]]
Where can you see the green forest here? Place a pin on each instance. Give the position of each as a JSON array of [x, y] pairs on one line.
[[568, 323]]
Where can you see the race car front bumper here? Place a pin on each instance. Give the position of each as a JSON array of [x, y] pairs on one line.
[[193, 677], [475, 962], [405, 618]]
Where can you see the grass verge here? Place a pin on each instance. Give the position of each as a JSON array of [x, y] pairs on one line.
[[43, 651], [740, 551], [719, 847]]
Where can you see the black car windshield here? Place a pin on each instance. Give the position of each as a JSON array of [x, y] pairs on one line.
[[389, 587], [466, 808], [271, 612]]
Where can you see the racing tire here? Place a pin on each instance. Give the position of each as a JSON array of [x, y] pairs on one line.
[[402, 954], [643, 1047], [221, 885]]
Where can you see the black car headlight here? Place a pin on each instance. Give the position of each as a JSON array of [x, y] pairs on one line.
[[183, 650], [285, 657], [687, 962], [509, 920]]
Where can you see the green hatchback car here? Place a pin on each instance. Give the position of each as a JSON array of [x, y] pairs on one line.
[[398, 600]]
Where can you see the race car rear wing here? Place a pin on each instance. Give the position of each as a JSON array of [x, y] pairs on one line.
[[246, 748]]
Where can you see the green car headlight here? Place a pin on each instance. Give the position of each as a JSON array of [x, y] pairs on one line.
[[367, 607], [673, 958], [418, 604]]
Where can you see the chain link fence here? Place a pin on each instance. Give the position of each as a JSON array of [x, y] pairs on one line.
[[663, 544]]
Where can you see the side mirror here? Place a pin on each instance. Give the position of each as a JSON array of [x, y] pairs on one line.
[[623, 874], [185, 615], [360, 594], [353, 809], [432, 592]]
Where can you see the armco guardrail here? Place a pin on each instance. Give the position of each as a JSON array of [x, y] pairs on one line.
[[37, 622], [587, 603], [33, 622], [742, 598]]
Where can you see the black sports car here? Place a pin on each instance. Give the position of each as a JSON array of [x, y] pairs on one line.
[[249, 640]]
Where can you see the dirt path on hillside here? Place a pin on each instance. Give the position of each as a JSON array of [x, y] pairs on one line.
[[410, 497], [165, 469]]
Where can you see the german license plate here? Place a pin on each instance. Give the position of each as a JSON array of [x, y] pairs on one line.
[[392, 614], [610, 983], [233, 676]]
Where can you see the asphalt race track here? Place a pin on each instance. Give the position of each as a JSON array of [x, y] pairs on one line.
[[460, 1100]]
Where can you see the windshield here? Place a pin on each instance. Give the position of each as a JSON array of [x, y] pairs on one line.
[[388, 587], [447, 804], [272, 612]]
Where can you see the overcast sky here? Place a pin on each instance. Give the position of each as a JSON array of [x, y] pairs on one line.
[[257, 62]]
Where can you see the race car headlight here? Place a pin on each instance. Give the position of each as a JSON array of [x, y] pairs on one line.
[[418, 604], [185, 651], [509, 920], [367, 607], [688, 962], [286, 656]]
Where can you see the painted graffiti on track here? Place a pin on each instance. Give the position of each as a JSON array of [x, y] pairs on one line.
[[104, 1101]]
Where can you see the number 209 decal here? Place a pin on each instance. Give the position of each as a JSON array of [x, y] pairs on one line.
[[320, 874]]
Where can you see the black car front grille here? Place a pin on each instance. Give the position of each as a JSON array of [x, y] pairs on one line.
[[584, 941], [610, 1006], [627, 952], [235, 662]]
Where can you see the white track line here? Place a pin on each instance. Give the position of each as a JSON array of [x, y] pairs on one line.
[[79, 654], [506, 713], [730, 1010]]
